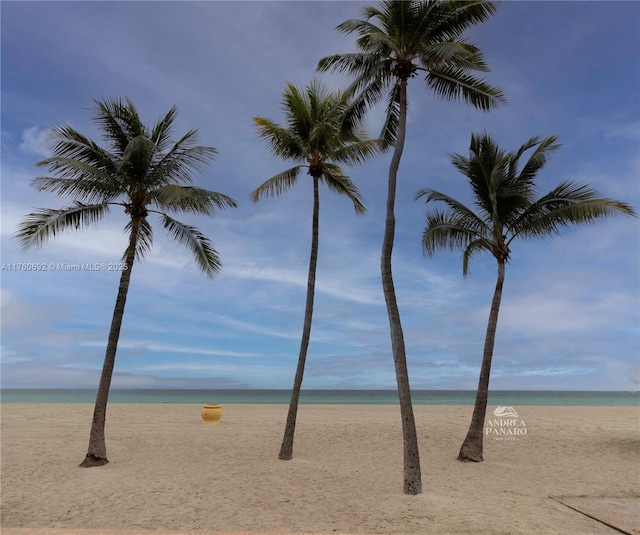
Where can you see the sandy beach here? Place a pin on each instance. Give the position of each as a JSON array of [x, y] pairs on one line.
[[170, 472]]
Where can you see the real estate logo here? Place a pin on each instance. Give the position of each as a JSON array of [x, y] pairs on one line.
[[506, 425]]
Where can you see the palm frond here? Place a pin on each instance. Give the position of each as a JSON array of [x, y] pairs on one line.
[[282, 142], [363, 27], [459, 16], [538, 158], [296, 106], [178, 166], [456, 229], [459, 212], [162, 131], [38, 227], [277, 184], [420, 22], [372, 38], [389, 131], [187, 141], [459, 53], [452, 83], [144, 240], [342, 185], [206, 256], [484, 168], [119, 121], [80, 182], [444, 230], [369, 89], [358, 64], [357, 152], [327, 129], [177, 198], [374, 12], [475, 246], [65, 142], [568, 204]]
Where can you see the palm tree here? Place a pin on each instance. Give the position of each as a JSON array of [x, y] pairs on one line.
[[142, 170], [504, 193], [317, 136], [398, 40]]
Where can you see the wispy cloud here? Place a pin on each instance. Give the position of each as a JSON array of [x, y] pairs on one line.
[[34, 142], [144, 347]]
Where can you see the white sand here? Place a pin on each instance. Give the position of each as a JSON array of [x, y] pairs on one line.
[[170, 472]]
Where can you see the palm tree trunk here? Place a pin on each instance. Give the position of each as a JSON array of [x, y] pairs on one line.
[[97, 452], [286, 450], [471, 449], [412, 473]]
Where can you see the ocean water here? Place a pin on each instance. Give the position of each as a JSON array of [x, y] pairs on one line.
[[331, 397]]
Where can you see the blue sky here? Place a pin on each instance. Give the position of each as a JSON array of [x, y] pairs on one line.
[[570, 310]]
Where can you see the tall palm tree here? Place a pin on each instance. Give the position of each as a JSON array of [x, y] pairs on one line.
[[398, 40], [317, 136], [144, 171], [504, 194]]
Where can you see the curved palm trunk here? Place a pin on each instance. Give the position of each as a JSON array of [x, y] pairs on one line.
[[471, 449], [412, 474], [286, 450], [97, 452]]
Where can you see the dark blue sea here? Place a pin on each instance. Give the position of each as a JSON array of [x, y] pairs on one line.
[[331, 397]]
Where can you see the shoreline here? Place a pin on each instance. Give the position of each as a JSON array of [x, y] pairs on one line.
[[322, 397], [170, 472]]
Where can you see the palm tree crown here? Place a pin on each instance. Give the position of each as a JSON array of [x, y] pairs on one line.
[[504, 194], [400, 39], [318, 137], [141, 169]]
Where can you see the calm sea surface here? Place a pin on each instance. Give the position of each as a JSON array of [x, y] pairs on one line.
[[348, 397]]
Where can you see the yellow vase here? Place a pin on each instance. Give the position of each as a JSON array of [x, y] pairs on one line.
[[211, 413]]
